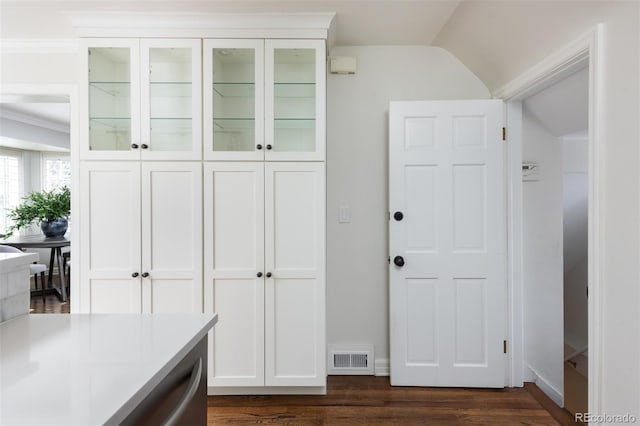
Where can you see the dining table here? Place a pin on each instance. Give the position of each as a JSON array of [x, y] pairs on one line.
[[55, 244]]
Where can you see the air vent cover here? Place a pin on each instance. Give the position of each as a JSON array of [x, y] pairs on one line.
[[350, 360]]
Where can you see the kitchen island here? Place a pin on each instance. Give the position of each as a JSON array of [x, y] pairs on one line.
[[89, 369]]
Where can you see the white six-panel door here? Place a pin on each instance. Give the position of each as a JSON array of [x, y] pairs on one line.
[[171, 219], [295, 292], [234, 257], [110, 243], [447, 248]]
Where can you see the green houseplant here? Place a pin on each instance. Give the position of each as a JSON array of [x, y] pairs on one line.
[[50, 208]]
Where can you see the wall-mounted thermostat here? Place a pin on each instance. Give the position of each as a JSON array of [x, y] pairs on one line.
[[342, 65]]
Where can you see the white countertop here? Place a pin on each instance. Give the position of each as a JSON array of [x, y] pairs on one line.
[[11, 260], [86, 369]]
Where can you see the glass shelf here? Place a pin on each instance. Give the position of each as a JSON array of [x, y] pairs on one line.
[[171, 89], [294, 90], [112, 88], [236, 90], [122, 124], [222, 124]]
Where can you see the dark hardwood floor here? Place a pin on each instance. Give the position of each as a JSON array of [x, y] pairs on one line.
[[369, 400]]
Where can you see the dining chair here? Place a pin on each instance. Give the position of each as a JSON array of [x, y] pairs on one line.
[[34, 268]]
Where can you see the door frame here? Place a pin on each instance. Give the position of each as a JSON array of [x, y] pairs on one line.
[[68, 92], [587, 49]]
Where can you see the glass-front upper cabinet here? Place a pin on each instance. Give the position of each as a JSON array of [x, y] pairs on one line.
[[233, 99], [295, 81], [142, 100], [264, 100]]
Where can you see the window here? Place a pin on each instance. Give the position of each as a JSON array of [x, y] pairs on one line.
[[56, 171], [10, 185]]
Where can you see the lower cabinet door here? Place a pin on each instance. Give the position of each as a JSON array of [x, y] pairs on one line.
[[171, 270], [109, 237], [234, 271], [295, 283]]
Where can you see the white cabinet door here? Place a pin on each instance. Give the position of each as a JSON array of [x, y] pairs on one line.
[[110, 99], [234, 271], [295, 279], [171, 93], [171, 270], [110, 237], [233, 75], [295, 91]]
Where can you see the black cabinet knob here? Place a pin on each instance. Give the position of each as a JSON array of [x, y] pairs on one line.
[[398, 216], [268, 274], [144, 146], [398, 261], [135, 275], [134, 146], [259, 274], [269, 147], [258, 147], [145, 274]]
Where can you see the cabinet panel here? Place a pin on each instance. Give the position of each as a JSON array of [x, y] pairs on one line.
[[110, 229], [233, 99], [237, 342], [295, 87], [110, 98], [295, 254], [234, 255], [172, 236], [171, 99]]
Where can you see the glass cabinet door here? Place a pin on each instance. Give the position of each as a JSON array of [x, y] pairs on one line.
[[170, 99], [233, 99], [112, 98], [295, 99]]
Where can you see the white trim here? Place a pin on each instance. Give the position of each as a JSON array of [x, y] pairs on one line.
[[39, 46], [69, 91], [556, 395], [268, 390], [382, 367], [515, 301], [203, 25], [549, 71]]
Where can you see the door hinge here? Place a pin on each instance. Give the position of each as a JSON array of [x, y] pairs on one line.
[[504, 133], [504, 346]]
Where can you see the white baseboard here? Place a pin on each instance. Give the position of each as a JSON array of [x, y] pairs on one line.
[[556, 395], [382, 367], [273, 390]]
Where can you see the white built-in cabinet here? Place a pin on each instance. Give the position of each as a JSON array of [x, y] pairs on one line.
[[202, 187], [141, 236], [141, 99], [264, 272]]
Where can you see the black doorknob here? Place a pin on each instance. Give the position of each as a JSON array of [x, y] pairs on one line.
[[268, 274], [398, 261], [134, 146], [269, 147], [135, 275], [258, 147], [398, 216], [144, 146], [145, 274], [259, 274]]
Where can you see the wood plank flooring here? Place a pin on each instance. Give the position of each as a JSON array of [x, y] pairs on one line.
[[369, 400]]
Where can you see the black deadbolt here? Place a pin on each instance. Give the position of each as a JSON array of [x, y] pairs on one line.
[[398, 261], [398, 216]]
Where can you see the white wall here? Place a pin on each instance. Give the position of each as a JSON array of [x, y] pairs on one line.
[[357, 146], [542, 259]]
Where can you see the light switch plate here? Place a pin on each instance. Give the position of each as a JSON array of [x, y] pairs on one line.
[[344, 214]]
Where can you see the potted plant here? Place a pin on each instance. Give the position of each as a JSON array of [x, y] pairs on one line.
[[50, 208]]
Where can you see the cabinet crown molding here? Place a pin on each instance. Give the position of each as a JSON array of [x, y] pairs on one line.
[[202, 25]]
